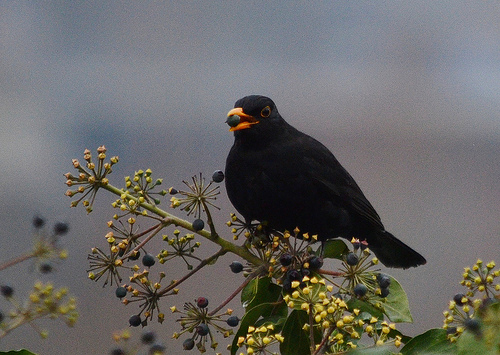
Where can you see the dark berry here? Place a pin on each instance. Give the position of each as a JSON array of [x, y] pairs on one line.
[[198, 224], [383, 280], [172, 191], [61, 228], [233, 120], [360, 290], [286, 259], [218, 176], [45, 268], [451, 330], [121, 292], [458, 299], [233, 321], [135, 320], [148, 337], [38, 222], [351, 259], [148, 260], [236, 267], [135, 256], [188, 344], [287, 285], [472, 325], [202, 329], [117, 351], [384, 292], [294, 275], [202, 302], [157, 349], [6, 291], [315, 263], [363, 244]]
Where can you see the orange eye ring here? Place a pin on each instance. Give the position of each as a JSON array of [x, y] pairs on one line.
[[266, 112]]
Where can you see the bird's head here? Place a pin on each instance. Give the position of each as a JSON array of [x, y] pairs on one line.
[[253, 113]]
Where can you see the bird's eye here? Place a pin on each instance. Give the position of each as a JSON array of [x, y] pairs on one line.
[[266, 111]]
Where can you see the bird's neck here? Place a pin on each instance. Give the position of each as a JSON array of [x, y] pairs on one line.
[[257, 139]]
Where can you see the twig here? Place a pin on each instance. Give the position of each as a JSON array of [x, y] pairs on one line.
[[238, 290]]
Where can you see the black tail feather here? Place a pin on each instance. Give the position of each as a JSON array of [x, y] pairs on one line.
[[394, 253]]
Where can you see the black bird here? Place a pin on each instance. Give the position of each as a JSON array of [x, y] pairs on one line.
[[281, 176]]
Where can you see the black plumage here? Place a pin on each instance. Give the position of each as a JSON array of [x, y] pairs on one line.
[[277, 174]]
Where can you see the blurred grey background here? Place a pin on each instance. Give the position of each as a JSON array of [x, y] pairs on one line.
[[406, 94]]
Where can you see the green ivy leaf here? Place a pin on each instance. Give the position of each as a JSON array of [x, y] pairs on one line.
[[258, 291], [17, 352], [396, 305], [379, 350], [296, 340], [334, 249], [433, 341], [468, 343], [262, 301], [355, 303]]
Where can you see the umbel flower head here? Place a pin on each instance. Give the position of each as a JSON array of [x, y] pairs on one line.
[[197, 198], [90, 177], [196, 319], [464, 311]]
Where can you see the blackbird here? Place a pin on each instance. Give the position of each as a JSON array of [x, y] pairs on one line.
[[287, 179]]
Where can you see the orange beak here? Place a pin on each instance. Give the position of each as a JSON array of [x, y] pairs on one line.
[[245, 120]]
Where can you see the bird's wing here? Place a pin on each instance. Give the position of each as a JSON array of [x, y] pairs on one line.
[[333, 180]]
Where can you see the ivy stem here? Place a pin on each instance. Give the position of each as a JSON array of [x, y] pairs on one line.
[[203, 263], [171, 219], [16, 260], [238, 290]]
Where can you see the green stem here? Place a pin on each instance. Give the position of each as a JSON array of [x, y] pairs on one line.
[[169, 219]]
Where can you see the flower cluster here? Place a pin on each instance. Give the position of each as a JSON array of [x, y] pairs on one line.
[[464, 310], [90, 177], [180, 246], [148, 293], [110, 263], [239, 227], [46, 248], [138, 190], [43, 301], [196, 319], [259, 340], [480, 278], [142, 186], [341, 326], [197, 199], [148, 341]]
